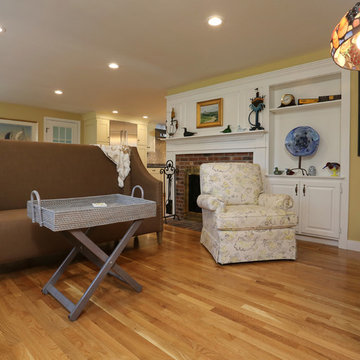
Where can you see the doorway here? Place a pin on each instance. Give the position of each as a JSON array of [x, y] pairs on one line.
[[61, 131]]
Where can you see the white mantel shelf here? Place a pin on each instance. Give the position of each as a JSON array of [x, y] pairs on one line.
[[235, 142], [245, 135]]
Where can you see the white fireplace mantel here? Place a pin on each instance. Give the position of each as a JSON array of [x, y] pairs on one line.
[[247, 141]]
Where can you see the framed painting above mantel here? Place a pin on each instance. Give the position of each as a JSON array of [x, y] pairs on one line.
[[18, 130], [209, 113]]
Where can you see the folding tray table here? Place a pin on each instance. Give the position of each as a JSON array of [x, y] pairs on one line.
[[72, 216]]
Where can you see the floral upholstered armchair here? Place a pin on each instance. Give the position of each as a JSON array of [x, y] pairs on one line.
[[240, 222]]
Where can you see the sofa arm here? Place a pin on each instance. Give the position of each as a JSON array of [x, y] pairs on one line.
[[280, 201], [210, 202], [152, 190]]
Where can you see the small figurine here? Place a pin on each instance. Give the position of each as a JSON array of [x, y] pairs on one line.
[[227, 130], [240, 129], [289, 172], [312, 170], [277, 171], [188, 133], [334, 167]]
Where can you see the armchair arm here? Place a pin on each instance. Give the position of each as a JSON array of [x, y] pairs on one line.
[[280, 201], [210, 202]]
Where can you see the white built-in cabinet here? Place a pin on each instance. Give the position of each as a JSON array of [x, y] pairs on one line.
[[151, 138], [103, 132], [97, 131], [317, 199], [142, 142], [316, 202]]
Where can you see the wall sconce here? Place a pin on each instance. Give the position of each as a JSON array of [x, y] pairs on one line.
[[174, 124]]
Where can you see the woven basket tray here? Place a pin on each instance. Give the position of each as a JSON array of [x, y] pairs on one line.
[[77, 213]]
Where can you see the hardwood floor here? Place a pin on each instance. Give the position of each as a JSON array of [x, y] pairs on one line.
[[190, 307]]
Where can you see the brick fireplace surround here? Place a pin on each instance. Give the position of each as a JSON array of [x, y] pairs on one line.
[[187, 161], [188, 153]]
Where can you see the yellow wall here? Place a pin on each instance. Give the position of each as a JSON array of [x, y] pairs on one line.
[[35, 114], [303, 59], [354, 198], [354, 202]]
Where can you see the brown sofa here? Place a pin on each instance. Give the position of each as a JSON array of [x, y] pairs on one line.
[[61, 171]]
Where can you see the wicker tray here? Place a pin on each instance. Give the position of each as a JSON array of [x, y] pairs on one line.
[[77, 213]]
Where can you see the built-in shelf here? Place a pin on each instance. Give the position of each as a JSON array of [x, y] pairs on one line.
[[305, 177], [305, 106]]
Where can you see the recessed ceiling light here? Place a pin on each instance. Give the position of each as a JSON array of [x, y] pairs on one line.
[[58, 92], [113, 66], [2, 29], [115, 112], [145, 117], [214, 21]]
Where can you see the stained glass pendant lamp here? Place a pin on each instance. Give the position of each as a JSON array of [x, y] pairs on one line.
[[345, 40]]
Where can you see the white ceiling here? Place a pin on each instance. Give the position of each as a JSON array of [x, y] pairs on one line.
[[159, 45]]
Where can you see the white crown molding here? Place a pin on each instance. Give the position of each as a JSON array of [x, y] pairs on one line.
[[316, 68]]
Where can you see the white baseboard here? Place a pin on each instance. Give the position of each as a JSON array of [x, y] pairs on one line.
[[317, 240], [353, 245], [349, 244]]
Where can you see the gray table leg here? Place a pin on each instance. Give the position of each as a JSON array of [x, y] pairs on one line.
[[109, 262], [87, 247], [61, 268]]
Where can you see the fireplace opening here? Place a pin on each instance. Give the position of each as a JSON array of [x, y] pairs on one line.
[[188, 166], [194, 192]]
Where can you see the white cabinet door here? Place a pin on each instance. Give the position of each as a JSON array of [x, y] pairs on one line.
[[103, 132], [316, 202], [320, 208], [289, 187], [142, 135], [143, 154], [150, 140]]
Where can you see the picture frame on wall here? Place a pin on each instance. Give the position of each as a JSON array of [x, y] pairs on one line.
[[209, 113], [18, 130]]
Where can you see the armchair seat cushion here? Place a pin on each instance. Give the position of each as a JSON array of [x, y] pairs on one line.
[[250, 217]]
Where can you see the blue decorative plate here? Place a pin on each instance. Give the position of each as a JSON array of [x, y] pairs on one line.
[[302, 141]]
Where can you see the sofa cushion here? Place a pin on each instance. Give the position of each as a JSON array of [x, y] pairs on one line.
[[21, 239], [248, 217], [233, 183]]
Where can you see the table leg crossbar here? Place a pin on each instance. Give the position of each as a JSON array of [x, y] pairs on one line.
[[107, 265]]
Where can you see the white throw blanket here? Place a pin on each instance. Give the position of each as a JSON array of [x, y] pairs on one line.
[[120, 155]]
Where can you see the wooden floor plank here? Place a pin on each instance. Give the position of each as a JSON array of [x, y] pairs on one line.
[[190, 307]]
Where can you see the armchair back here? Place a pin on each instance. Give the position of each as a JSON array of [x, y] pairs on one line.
[[232, 183]]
